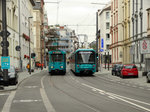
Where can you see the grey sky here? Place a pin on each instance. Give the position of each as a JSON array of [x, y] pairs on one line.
[[75, 12]]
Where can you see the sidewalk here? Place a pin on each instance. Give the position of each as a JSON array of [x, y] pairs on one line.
[[21, 76], [141, 81]]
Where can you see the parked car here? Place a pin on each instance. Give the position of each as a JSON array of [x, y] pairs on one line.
[[114, 69], [129, 70], [12, 75], [119, 69], [148, 77]]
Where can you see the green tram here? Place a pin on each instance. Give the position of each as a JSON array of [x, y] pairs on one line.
[[57, 62], [83, 61]]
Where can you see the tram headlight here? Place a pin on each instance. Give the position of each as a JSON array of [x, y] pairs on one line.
[[61, 66], [52, 67]]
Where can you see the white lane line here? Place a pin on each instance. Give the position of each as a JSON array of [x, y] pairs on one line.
[[102, 93], [26, 101], [46, 101], [8, 102], [121, 98], [4, 94], [30, 87], [42, 85], [139, 106], [111, 97]]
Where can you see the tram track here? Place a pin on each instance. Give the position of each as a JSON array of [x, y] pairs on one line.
[[71, 96]]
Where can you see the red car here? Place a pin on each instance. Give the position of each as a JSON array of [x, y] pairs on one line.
[[129, 71]]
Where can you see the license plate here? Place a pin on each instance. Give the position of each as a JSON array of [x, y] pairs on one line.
[[130, 73]]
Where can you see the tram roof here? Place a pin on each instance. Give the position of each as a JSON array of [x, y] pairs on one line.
[[57, 51], [84, 50]]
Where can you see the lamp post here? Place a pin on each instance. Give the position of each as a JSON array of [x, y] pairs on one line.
[[29, 46]]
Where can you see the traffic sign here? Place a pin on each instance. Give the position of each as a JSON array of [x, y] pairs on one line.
[[101, 50], [5, 62], [102, 43], [145, 46]]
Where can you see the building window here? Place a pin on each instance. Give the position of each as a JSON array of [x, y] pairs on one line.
[[107, 46], [107, 36], [107, 25], [107, 15]]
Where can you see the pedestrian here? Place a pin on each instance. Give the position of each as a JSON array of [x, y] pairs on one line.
[[28, 67]]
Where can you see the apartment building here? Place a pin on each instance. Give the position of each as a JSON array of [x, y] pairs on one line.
[[126, 25], [116, 31], [26, 27], [138, 30], [12, 27], [104, 21]]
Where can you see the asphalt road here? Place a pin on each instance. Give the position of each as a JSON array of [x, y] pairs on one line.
[[70, 93]]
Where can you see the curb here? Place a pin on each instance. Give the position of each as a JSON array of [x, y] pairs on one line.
[[15, 88]]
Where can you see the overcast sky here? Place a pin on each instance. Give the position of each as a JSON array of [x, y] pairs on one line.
[[75, 13]]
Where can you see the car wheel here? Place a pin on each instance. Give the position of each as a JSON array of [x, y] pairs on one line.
[[14, 81], [112, 73], [148, 81], [122, 76], [137, 76]]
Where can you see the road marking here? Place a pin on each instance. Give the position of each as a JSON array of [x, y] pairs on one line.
[[102, 93], [46, 101], [121, 98], [8, 102], [134, 86], [111, 97], [26, 101], [30, 87], [6, 94], [148, 89]]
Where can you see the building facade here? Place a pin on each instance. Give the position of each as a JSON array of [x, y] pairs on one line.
[[126, 26], [26, 31], [138, 30], [104, 21], [12, 27], [116, 31], [62, 38]]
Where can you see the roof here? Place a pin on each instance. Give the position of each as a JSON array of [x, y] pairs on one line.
[[85, 50], [107, 8], [60, 51]]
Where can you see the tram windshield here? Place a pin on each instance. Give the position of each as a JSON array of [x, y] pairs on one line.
[[57, 57], [85, 57]]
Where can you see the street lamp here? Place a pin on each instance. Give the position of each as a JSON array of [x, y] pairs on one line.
[[29, 46]]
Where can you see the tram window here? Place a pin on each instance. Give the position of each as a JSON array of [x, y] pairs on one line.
[[86, 57], [57, 57]]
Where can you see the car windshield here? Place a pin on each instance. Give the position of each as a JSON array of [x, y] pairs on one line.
[[57, 57], [128, 67], [86, 57]]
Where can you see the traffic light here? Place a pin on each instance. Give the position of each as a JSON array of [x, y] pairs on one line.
[[33, 55]]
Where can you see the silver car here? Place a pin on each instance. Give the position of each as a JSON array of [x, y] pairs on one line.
[[12, 74], [148, 77]]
